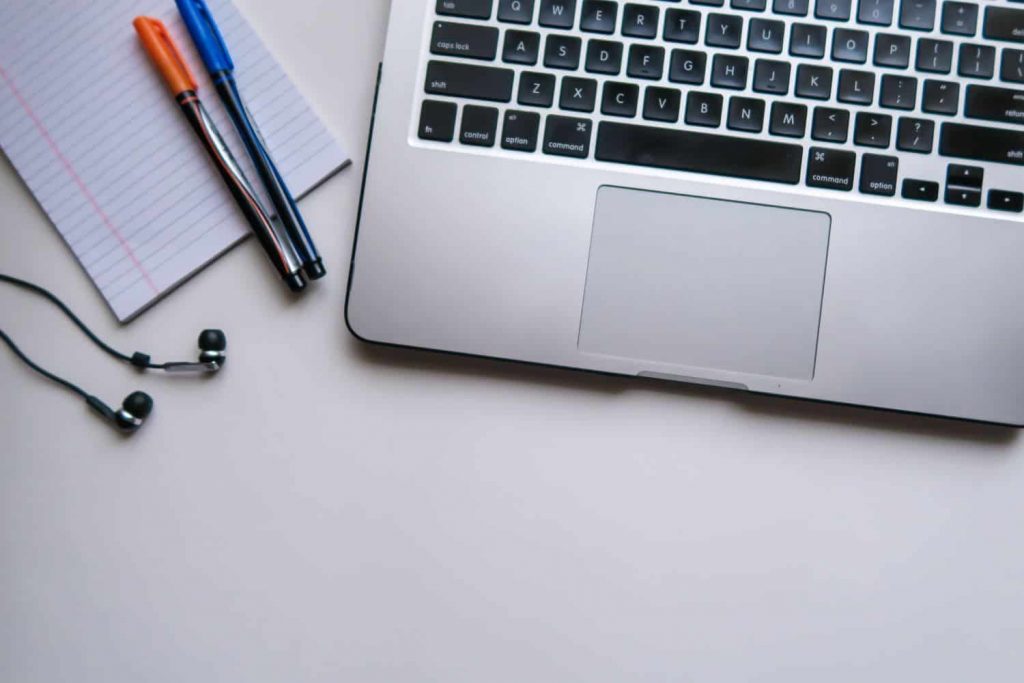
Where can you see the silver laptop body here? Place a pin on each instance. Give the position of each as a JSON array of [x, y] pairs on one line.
[[534, 193]]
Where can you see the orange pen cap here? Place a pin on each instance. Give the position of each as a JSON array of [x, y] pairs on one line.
[[157, 41]]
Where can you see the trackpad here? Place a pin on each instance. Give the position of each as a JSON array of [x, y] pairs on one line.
[[705, 283]]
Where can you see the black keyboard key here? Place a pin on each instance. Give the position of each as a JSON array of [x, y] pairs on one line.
[[941, 97], [640, 21], [771, 77], [788, 120], [898, 92], [469, 80], [765, 35], [661, 104], [437, 120], [604, 57], [959, 18], [807, 40], [567, 137], [515, 11], [472, 9], [562, 52], [723, 30], [830, 125], [519, 132], [521, 47], [646, 61], [831, 169], [794, 8], [879, 174], [892, 50], [837, 10], [994, 104], [915, 135], [1003, 200], [1001, 145], [976, 61], [746, 114], [619, 99], [850, 45], [1011, 67], [959, 196], [750, 5], [682, 26], [729, 71], [536, 89], [971, 177], [935, 56], [1004, 23], [875, 12], [578, 94], [703, 109], [872, 130], [687, 66], [856, 87], [557, 13], [920, 190], [479, 126], [464, 40], [685, 150], [713, 3], [814, 82], [599, 16], [918, 15]]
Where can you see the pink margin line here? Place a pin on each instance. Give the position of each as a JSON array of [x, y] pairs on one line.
[[77, 179]]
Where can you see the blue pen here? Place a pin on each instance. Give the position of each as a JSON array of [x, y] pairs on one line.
[[214, 52]]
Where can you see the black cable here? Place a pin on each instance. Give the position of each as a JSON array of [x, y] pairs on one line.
[[48, 375], [139, 360]]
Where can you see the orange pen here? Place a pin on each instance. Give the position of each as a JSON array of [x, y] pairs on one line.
[[169, 61]]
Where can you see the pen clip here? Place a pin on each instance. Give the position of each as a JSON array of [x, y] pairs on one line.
[[218, 59]]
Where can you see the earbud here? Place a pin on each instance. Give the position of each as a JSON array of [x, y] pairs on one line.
[[213, 345], [130, 416]]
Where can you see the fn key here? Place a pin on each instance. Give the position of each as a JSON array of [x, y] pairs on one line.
[[437, 121]]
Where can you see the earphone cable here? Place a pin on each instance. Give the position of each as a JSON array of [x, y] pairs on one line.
[[48, 375], [139, 360]]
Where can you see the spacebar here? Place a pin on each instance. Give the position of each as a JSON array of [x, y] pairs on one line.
[[699, 152]]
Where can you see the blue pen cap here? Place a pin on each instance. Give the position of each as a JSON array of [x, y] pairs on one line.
[[206, 35]]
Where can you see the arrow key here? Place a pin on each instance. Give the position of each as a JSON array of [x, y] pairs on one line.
[[1001, 200], [962, 196], [921, 190]]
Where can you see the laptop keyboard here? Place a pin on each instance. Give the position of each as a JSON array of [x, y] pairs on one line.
[[917, 100]]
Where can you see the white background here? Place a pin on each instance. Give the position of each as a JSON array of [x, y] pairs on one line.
[[327, 511]]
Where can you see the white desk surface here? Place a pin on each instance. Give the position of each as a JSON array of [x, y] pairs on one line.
[[325, 511]]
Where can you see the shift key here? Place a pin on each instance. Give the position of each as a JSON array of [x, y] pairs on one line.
[[1002, 145], [470, 81]]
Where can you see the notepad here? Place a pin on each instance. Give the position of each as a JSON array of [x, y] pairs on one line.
[[96, 136]]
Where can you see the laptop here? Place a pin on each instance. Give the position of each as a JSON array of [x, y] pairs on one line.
[[818, 199]]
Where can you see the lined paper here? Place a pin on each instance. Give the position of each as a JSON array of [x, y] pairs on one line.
[[95, 134]]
